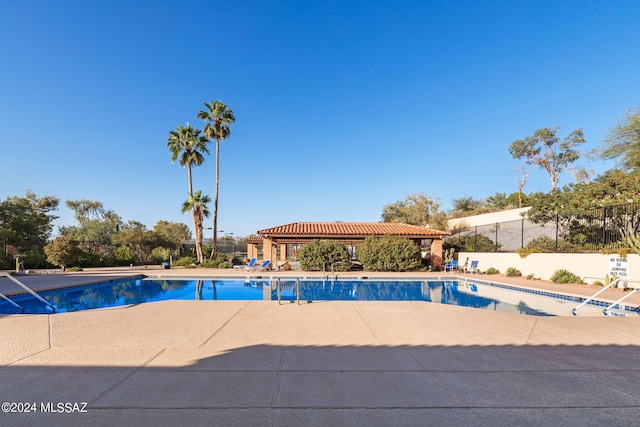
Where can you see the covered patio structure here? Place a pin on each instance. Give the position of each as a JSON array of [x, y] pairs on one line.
[[279, 242]]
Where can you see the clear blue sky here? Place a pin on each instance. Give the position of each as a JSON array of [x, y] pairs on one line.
[[341, 107]]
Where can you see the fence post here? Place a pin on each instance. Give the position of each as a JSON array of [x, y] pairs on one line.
[[604, 226]]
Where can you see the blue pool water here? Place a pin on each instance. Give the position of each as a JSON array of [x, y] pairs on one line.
[[137, 291]]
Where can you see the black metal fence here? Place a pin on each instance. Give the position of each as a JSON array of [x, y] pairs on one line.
[[591, 230]]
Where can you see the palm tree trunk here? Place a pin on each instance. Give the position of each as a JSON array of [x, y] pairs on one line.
[[214, 249], [198, 225]]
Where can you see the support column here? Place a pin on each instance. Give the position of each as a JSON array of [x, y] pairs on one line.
[[436, 254], [283, 252], [268, 250], [252, 250]]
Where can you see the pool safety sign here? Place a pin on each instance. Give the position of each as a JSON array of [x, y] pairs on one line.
[[618, 266]]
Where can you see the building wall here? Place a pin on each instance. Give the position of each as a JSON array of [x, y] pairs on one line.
[[544, 265]]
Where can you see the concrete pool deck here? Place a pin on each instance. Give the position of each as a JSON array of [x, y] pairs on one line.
[[325, 363]]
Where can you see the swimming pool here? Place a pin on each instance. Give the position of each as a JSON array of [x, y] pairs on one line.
[[475, 294]]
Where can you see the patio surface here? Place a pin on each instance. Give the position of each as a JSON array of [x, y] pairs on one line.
[[324, 363]]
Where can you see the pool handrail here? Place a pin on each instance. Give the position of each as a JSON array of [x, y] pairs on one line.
[[4, 297], [606, 310], [615, 282], [28, 289]]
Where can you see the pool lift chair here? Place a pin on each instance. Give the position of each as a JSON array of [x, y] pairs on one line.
[[26, 288]]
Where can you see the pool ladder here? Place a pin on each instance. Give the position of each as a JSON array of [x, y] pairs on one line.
[[296, 289], [615, 282], [26, 288]]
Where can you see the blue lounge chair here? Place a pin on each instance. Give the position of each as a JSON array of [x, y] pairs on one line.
[[249, 266], [473, 268], [265, 265], [450, 266]]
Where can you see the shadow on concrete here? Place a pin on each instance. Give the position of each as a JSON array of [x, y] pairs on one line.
[[334, 385]]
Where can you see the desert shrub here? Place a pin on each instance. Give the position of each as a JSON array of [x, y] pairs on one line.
[[513, 272], [598, 283], [565, 276], [74, 269], [389, 253], [125, 255], [89, 258], [185, 261], [321, 254], [529, 276], [160, 254], [35, 259], [4, 262], [492, 270], [220, 261], [545, 244]]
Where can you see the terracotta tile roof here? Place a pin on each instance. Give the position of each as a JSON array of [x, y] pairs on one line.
[[350, 229]]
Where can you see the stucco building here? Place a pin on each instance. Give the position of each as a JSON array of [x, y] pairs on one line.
[[279, 243]]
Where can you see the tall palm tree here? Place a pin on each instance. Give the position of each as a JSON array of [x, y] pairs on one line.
[[219, 118], [187, 146], [197, 204]]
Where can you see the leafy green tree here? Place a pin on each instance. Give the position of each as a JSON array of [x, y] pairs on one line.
[[171, 234], [389, 253], [519, 200], [545, 150], [125, 255], [91, 210], [63, 252], [136, 236], [187, 146], [95, 229], [197, 204], [27, 222], [416, 209], [623, 141], [319, 255], [160, 254], [466, 206], [219, 118], [576, 205]]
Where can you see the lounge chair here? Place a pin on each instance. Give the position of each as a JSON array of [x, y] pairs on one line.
[[264, 266], [249, 266], [450, 266], [473, 268]]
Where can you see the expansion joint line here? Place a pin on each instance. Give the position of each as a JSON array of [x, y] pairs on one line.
[[367, 325], [50, 330], [533, 328], [126, 377], [223, 325]]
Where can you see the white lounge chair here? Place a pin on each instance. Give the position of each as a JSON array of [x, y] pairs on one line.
[[264, 266], [249, 266]]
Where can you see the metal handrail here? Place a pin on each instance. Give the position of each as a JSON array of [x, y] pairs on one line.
[[26, 288], [12, 302], [606, 310], [615, 282], [279, 290]]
